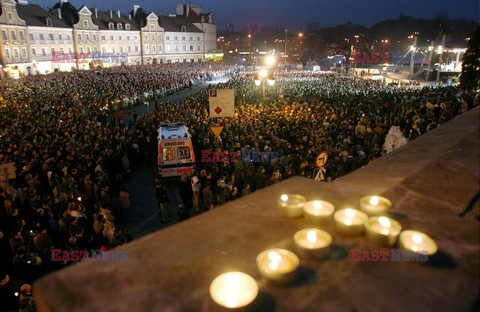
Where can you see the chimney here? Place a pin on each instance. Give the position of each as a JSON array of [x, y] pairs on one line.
[[135, 8], [59, 13], [129, 16], [25, 2], [187, 10], [63, 1], [96, 12], [118, 13]]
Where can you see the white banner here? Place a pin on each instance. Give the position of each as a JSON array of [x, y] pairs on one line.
[[222, 102]]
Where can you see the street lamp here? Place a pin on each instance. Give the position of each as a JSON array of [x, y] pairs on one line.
[[262, 79], [270, 60]]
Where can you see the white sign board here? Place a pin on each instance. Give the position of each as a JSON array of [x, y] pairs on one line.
[[222, 102]]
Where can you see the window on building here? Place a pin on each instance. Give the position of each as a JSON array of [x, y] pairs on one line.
[[198, 38], [145, 37], [183, 38], [70, 50], [4, 35], [146, 48], [176, 48], [167, 47], [120, 38], [191, 38], [94, 37], [103, 38], [7, 53], [175, 38], [85, 23], [87, 36], [152, 26], [10, 17], [79, 37], [21, 35], [167, 37], [50, 36], [24, 52], [41, 37], [15, 53], [88, 50], [111, 38], [34, 53], [191, 48], [59, 37], [81, 50], [110, 26], [160, 37], [129, 49], [184, 48], [119, 26], [153, 37], [184, 60], [30, 36], [192, 60], [159, 48], [153, 48], [68, 37], [127, 26], [14, 36], [184, 28], [61, 50], [128, 38], [198, 48], [136, 48], [49, 22]]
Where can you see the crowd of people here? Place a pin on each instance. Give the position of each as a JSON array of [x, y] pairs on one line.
[[72, 147], [65, 136]]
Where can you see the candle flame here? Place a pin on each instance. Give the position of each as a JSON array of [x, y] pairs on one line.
[[417, 238], [384, 221], [350, 212], [275, 260], [231, 287], [284, 197], [312, 237], [374, 200], [317, 204]]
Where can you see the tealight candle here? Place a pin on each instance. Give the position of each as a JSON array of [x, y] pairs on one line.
[[350, 221], [417, 242], [291, 205], [312, 243], [278, 265], [375, 205], [383, 230], [234, 290], [318, 211]]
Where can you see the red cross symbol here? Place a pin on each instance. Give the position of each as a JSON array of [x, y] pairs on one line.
[[218, 110]]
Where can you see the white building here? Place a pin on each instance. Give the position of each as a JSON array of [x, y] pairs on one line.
[[65, 38]]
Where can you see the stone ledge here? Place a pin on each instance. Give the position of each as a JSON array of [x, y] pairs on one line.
[[429, 181]]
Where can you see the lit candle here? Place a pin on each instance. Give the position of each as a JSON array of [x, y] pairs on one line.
[[417, 242], [278, 265], [291, 205], [350, 221], [375, 205], [234, 289], [312, 243], [383, 230], [318, 211]]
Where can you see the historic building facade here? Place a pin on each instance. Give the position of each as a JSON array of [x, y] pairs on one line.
[[34, 40]]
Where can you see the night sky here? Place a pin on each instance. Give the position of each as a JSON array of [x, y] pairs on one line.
[[295, 13]]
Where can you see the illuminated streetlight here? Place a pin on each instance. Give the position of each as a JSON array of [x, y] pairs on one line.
[[300, 34], [263, 73]]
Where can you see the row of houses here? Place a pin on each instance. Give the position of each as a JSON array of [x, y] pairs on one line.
[[35, 40]]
